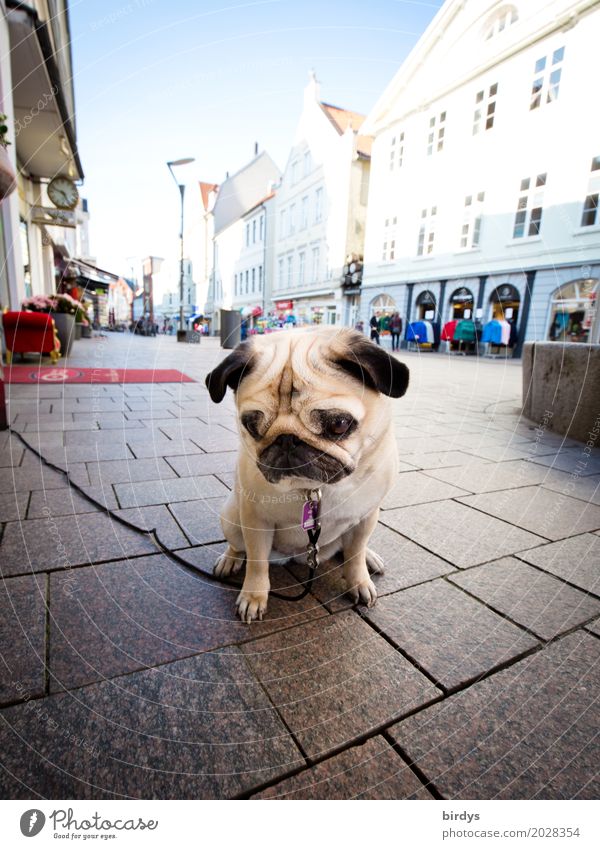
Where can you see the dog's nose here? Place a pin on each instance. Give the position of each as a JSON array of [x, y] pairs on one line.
[[287, 441]]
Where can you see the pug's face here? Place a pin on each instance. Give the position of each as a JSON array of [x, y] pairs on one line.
[[309, 402]]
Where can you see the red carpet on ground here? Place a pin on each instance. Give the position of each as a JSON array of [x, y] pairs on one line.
[[58, 374]]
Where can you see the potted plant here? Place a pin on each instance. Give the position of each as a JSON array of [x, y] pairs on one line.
[[64, 310], [8, 178]]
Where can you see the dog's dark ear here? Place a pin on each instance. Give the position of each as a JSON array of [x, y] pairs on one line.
[[230, 372], [374, 367]]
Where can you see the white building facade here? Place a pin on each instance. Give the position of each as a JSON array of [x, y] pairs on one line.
[[320, 214], [253, 268], [486, 173]]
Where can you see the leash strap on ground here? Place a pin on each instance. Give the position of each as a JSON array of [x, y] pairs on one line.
[[153, 535]]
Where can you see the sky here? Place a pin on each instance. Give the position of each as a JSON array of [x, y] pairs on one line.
[[159, 80]]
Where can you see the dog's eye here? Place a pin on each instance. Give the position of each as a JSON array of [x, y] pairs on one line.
[[339, 425], [251, 421]]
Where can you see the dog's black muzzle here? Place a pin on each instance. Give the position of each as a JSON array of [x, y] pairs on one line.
[[290, 456]]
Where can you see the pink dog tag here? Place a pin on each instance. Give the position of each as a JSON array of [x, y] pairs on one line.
[[310, 511]]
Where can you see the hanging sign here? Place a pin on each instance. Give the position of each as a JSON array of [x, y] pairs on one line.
[[49, 216]]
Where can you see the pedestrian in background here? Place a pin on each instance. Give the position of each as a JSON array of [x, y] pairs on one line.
[[396, 330], [360, 326], [374, 324]]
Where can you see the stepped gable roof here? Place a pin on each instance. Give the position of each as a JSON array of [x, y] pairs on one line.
[[343, 119]]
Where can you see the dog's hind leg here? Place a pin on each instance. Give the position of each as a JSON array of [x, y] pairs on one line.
[[355, 570]]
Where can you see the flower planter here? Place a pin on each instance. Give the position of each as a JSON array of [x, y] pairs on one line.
[[78, 330], [65, 327], [86, 331], [8, 178]]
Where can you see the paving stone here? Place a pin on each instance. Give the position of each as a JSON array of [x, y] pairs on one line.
[[13, 506], [483, 476], [335, 679], [129, 615], [27, 479], [11, 453], [199, 728], [58, 502], [586, 488], [370, 771], [502, 453], [549, 514], [436, 460], [159, 518], [417, 488], [575, 559], [71, 454], [594, 627], [573, 462], [539, 602], [132, 471], [200, 519], [204, 464], [103, 496], [406, 564], [450, 635], [423, 445], [40, 442], [527, 732], [168, 491], [152, 446], [38, 545], [458, 533], [22, 637]]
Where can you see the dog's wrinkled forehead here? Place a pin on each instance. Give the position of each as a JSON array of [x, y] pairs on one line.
[[290, 362]]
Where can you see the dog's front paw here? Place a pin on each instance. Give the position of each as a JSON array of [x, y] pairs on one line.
[[251, 605], [375, 563], [364, 592], [230, 562]]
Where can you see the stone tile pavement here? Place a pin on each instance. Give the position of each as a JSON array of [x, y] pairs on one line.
[[125, 674]]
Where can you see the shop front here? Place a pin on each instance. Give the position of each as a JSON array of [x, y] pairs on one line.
[[573, 312]]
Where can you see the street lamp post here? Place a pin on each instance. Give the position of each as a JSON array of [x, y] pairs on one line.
[[181, 188]]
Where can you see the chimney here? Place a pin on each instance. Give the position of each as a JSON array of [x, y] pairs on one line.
[[226, 175], [256, 148]]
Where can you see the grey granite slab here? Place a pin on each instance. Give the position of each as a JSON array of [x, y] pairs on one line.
[[13, 506], [418, 488], [159, 446], [131, 471], [484, 476], [458, 533], [22, 637], [435, 459], [541, 603], [57, 502], [594, 627], [29, 478], [135, 614], [549, 514], [200, 728], [527, 732], [200, 519], [165, 491], [586, 487], [370, 771], [575, 559], [74, 453], [204, 464], [574, 462], [61, 542], [335, 679], [447, 633], [160, 519]]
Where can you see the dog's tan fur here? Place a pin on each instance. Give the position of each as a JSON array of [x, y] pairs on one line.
[[293, 373]]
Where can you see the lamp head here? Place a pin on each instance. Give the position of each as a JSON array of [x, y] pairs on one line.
[[181, 161]]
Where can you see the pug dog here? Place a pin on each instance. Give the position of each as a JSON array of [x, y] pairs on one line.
[[314, 412]]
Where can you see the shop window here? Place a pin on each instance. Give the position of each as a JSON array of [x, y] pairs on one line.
[[546, 78], [461, 303], [437, 133], [426, 305], [485, 109], [528, 217], [574, 316], [427, 231], [388, 251], [589, 215]]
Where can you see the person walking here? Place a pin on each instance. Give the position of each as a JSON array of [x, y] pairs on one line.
[[395, 330], [374, 324]]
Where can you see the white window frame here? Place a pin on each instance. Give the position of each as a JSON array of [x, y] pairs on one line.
[[436, 133], [301, 268], [485, 109], [530, 201], [390, 229], [470, 235], [426, 240], [546, 78], [318, 205]]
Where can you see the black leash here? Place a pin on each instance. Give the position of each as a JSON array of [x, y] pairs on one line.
[[313, 498]]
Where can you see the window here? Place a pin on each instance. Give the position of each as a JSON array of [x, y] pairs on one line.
[[427, 231], [318, 205], [253, 280], [589, 216], [316, 260], [262, 228], [290, 270], [437, 132], [396, 151], [307, 163], [260, 278], [503, 18], [485, 109], [388, 251], [528, 218], [471, 226], [304, 214], [254, 231], [247, 235], [301, 268], [282, 224], [247, 276], [292, 219], [280, 272], [546, 78]]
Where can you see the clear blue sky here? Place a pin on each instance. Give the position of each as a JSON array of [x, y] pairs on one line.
[[166, 79]]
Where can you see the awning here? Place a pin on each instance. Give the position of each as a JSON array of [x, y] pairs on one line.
[[94, 277], [298, 295], [196, 317], [44, 124]]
